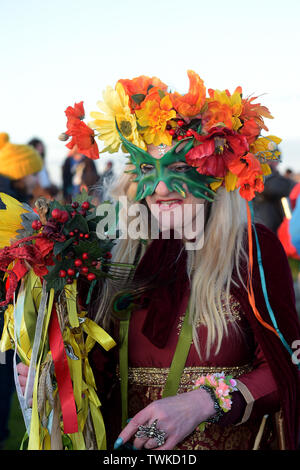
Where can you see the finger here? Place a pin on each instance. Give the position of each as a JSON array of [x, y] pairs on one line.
[[151, 444], [22, 381], [140, 443], [140, 418], [22, 369], [168, 445]]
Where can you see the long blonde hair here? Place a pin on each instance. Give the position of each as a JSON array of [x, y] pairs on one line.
[[210, 268]]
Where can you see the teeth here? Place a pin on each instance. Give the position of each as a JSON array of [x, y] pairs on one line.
[[168, 202]]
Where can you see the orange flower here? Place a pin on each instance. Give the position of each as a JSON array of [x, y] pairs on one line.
[[75, 113], [154, 116], [84, 137], [223, 108], [215, 114], [246, 167], [139, 87], [256, 112], [250, 130], [249, 188], [191, 103]]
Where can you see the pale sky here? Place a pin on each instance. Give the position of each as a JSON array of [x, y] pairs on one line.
[[54, 53]]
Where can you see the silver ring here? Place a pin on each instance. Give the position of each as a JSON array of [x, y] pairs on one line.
[[152, 432]]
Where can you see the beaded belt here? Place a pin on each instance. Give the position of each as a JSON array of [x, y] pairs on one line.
[[156, 377]]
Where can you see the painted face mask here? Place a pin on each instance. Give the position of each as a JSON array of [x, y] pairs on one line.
[[150, 171]]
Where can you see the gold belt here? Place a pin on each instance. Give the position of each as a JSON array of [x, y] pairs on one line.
[[156, 377]]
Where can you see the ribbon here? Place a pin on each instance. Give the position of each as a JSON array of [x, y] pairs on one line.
[[64, 382]]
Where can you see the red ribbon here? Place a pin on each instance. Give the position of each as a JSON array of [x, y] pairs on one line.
[[63, 377]]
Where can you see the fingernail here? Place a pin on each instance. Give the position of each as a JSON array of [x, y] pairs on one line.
[[129, 420], [135, 448], [118, 443]]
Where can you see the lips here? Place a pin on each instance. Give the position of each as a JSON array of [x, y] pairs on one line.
[[167, 204]]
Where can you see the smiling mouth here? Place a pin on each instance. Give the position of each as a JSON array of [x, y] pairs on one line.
[[165, 204]]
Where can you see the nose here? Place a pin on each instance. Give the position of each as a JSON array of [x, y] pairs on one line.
[[162, 189]]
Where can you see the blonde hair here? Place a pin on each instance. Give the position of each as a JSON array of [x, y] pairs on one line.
[[210, 268]]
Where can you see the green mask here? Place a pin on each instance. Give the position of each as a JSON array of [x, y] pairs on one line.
[[150, 171]]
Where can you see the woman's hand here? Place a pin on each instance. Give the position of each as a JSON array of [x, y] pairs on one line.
[[178, 416], [23, 374]]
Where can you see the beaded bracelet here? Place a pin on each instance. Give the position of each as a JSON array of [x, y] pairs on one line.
[[219, 387]]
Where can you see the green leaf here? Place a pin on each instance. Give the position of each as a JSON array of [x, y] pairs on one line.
[[61, 246], [77, 222], [138, 98]]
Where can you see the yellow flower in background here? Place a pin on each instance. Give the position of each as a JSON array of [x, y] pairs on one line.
[[10, 217], [115, 109], [154, 116], [266, 147]]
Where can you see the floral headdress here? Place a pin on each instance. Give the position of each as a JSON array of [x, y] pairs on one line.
[[225, 128]]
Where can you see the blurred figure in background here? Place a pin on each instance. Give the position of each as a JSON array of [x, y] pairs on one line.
[[267, 205], [289, 235], [78, 172], [46, 187], [105, 181], [19, 168]]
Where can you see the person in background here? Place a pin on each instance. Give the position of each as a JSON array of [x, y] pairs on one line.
[[78, 172], [45, 187], [267, 205], [105, 181], [19, 167]]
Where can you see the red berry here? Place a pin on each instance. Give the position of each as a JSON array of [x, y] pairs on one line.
[[71, 272], [84, 269], [91, 276], [81, 235], [189, 133], [36, 225], [85, 256], [56, 213], [62, 273], [180, 137], [71, 234], [108, 255], [180, 123], [75, 242], [76, 230], [172, 132], [64, 217], [85, 205], [94, 263], [73, 213], [75, 205], [86, 235], [78, 262]]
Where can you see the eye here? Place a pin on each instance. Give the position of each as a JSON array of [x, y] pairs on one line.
[[180, 168], [146, 168]]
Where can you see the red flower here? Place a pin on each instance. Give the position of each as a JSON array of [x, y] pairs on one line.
[[216, 150], [245, 167], [250, 130], [75, 113], [248, 189], [84, 137]]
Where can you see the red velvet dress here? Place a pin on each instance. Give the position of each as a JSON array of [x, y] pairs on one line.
[[267, 379]]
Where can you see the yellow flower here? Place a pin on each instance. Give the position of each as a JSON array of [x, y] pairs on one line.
[[234, 102], [266, 147], [115, 109], [10, 216], [154, 116]]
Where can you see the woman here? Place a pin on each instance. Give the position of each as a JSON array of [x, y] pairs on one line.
[[199, 362]]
